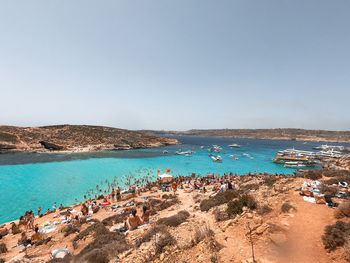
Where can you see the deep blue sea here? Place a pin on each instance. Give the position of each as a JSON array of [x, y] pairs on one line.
[[29, 180]]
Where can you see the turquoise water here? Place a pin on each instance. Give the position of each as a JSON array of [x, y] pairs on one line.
[[32, 180]]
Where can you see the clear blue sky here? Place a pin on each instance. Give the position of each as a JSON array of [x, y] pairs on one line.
[[177, 64]]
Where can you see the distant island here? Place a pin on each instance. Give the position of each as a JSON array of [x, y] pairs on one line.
[[75, 138], [272, 134]]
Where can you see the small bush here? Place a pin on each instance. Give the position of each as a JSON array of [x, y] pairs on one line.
[[165, 239], [249, 187], [115, 219], [105, 245], [219, 199], [270, 181], [236, 207], [95, 256], [263, 210], [43, 241], [220, 215], [3, 248], [329, 190], [89, 230], [147, 236], [70, 230], [313, 174], [201, 233], [335, 235], [286, 207], [174, 220], [343, 210]]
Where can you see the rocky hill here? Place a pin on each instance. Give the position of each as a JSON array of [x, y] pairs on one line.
[[274, 134], [75, 138]]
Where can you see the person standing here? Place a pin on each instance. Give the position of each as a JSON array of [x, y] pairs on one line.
[[39, 211]]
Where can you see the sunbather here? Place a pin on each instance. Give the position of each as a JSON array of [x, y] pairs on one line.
[[133, 220]]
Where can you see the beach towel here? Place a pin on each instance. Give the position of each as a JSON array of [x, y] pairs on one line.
[[309, 199], [59, 253], [48, 229]]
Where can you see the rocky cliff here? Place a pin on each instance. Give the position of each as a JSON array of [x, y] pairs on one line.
[[274, 134], [75, 138]]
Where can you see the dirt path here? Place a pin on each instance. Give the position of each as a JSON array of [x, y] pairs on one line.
[[306, 230]]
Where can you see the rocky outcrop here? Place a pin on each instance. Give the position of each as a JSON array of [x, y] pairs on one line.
[[273, 134], [75, 138]]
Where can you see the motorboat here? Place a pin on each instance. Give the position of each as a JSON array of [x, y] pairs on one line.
[[234, 145], [233, 157], [216, 158], [165, 152]]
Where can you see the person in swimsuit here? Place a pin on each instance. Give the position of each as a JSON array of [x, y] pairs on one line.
[[145, 214], [133, 220], [39, 210], [113, 194], [36, 236]]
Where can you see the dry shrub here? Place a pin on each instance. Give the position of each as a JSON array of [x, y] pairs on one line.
[[335, 235], [219, 199], [331, 181], [343, 210], [275, 228], [89, 230], [336, 173], [220, 214], [71, 230], [196, 198], [159, 205], [105, 245], [147, 236], [165, 239], [115, 219], [95, 256], [200, 233], [286, 207], [249, 187], [2, 260], [347, 249], [270, 181], [174, 220], [3, 248], [313, 174], [236, 207], [264, 210], [329, 190], [43, 241], [66, 259]]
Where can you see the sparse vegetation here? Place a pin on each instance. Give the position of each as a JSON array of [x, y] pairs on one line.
[[115, 219], [202, 232], [336, 235], [235, 207], [220, 214], [219, 199], [263, 210], [71, 230], [286, 207], [3, 248], [174, 220], [43, 241], [313, 174], [147, 236], [342, 210]]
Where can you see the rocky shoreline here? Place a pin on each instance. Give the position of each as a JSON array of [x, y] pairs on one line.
[[75, 138], [266, 134]]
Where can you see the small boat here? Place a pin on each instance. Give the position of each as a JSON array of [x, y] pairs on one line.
[[246, 154], [202, 147], [165, 151], [251, 157], [233, 157], [235, 145], [216, 158]]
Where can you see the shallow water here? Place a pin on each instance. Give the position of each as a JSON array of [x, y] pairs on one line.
[[32, 180]]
